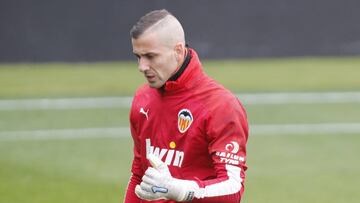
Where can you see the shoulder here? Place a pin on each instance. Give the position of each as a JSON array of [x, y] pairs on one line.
[[219, 97], [144, 94], [141, 97], [224, 113], [221, 104], [142, 90]]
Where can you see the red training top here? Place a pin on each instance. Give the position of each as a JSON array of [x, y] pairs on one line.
[[198, 128]]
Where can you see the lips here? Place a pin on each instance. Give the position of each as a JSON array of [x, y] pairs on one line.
[[150, 77]]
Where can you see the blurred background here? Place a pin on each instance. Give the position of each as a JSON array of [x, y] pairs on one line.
[[67, 76]]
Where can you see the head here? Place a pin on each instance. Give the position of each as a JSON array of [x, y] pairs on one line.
[[158, 42]]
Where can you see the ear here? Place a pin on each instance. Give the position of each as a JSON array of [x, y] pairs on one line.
[[179, 52]]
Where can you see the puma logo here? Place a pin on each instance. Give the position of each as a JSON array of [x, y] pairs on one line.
[[145, 113]]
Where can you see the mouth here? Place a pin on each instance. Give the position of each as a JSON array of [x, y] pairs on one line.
[[150, 78]]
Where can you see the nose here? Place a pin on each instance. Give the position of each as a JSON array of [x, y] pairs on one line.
[[143, 65]]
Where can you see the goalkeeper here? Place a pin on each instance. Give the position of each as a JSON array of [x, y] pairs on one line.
[[189, 132]]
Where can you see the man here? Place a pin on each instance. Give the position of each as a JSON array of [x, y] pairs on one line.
[[189, 132]]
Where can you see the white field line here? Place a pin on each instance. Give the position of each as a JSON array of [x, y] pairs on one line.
[[124, 132], [319, 128], [66, 133], [300, 98], [125, 102], [66, 103]]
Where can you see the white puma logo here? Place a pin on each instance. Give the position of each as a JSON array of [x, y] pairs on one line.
[[145, 113]]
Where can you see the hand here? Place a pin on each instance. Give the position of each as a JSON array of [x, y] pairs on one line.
[[157, 183]]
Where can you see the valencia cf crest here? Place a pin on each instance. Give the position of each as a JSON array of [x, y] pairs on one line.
[[185, 119]]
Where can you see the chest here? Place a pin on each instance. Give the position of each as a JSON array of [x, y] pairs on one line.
[[173, 129]]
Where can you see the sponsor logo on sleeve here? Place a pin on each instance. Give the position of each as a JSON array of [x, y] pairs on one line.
[[229, 155], [185, 120], [232, 147]]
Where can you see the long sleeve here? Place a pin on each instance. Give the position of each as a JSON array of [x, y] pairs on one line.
[[227, 132], [136, 168], [130, 196]]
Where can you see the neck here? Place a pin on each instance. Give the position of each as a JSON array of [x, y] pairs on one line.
[[181, 69]]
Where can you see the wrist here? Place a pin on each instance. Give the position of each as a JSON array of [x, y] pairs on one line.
[[185, 190]]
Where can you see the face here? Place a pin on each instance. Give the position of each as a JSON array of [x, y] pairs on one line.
[[156, 61]]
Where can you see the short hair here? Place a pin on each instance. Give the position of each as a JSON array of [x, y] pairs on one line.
[[148, 21]]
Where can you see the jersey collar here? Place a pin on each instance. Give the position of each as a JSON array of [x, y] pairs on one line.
[[188, 75]]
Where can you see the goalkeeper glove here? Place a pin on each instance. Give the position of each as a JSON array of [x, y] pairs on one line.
[[157, 183]]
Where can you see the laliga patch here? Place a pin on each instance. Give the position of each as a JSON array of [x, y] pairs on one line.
[[185, 119]]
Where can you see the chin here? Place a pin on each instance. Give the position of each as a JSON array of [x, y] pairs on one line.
[[152, 85], [156, 85]]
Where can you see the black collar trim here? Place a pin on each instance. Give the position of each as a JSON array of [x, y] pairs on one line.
[[182, 68]]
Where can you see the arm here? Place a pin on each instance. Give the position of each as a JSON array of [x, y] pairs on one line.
[[227, 131], [130, 196], [136, 169], [227, 187], [158, 183]]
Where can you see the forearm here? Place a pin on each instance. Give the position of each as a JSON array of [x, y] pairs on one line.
[[233, 198], [228, 193], [157, 183], [227, 188], [224, 191]]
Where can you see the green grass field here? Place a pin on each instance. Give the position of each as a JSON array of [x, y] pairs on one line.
[[319, 168]]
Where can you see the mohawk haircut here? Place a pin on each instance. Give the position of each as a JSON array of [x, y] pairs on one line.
[[147, 21]]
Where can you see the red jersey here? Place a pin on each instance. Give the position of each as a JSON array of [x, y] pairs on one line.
[[198, 128]]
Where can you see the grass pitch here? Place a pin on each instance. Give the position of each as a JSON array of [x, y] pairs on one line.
[[116, 79], [293, 168]]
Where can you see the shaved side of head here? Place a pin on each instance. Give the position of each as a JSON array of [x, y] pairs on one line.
[[169, 30], [163, 24]]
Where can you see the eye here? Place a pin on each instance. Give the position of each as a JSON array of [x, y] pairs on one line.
[[149, 56], [137, 56]]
